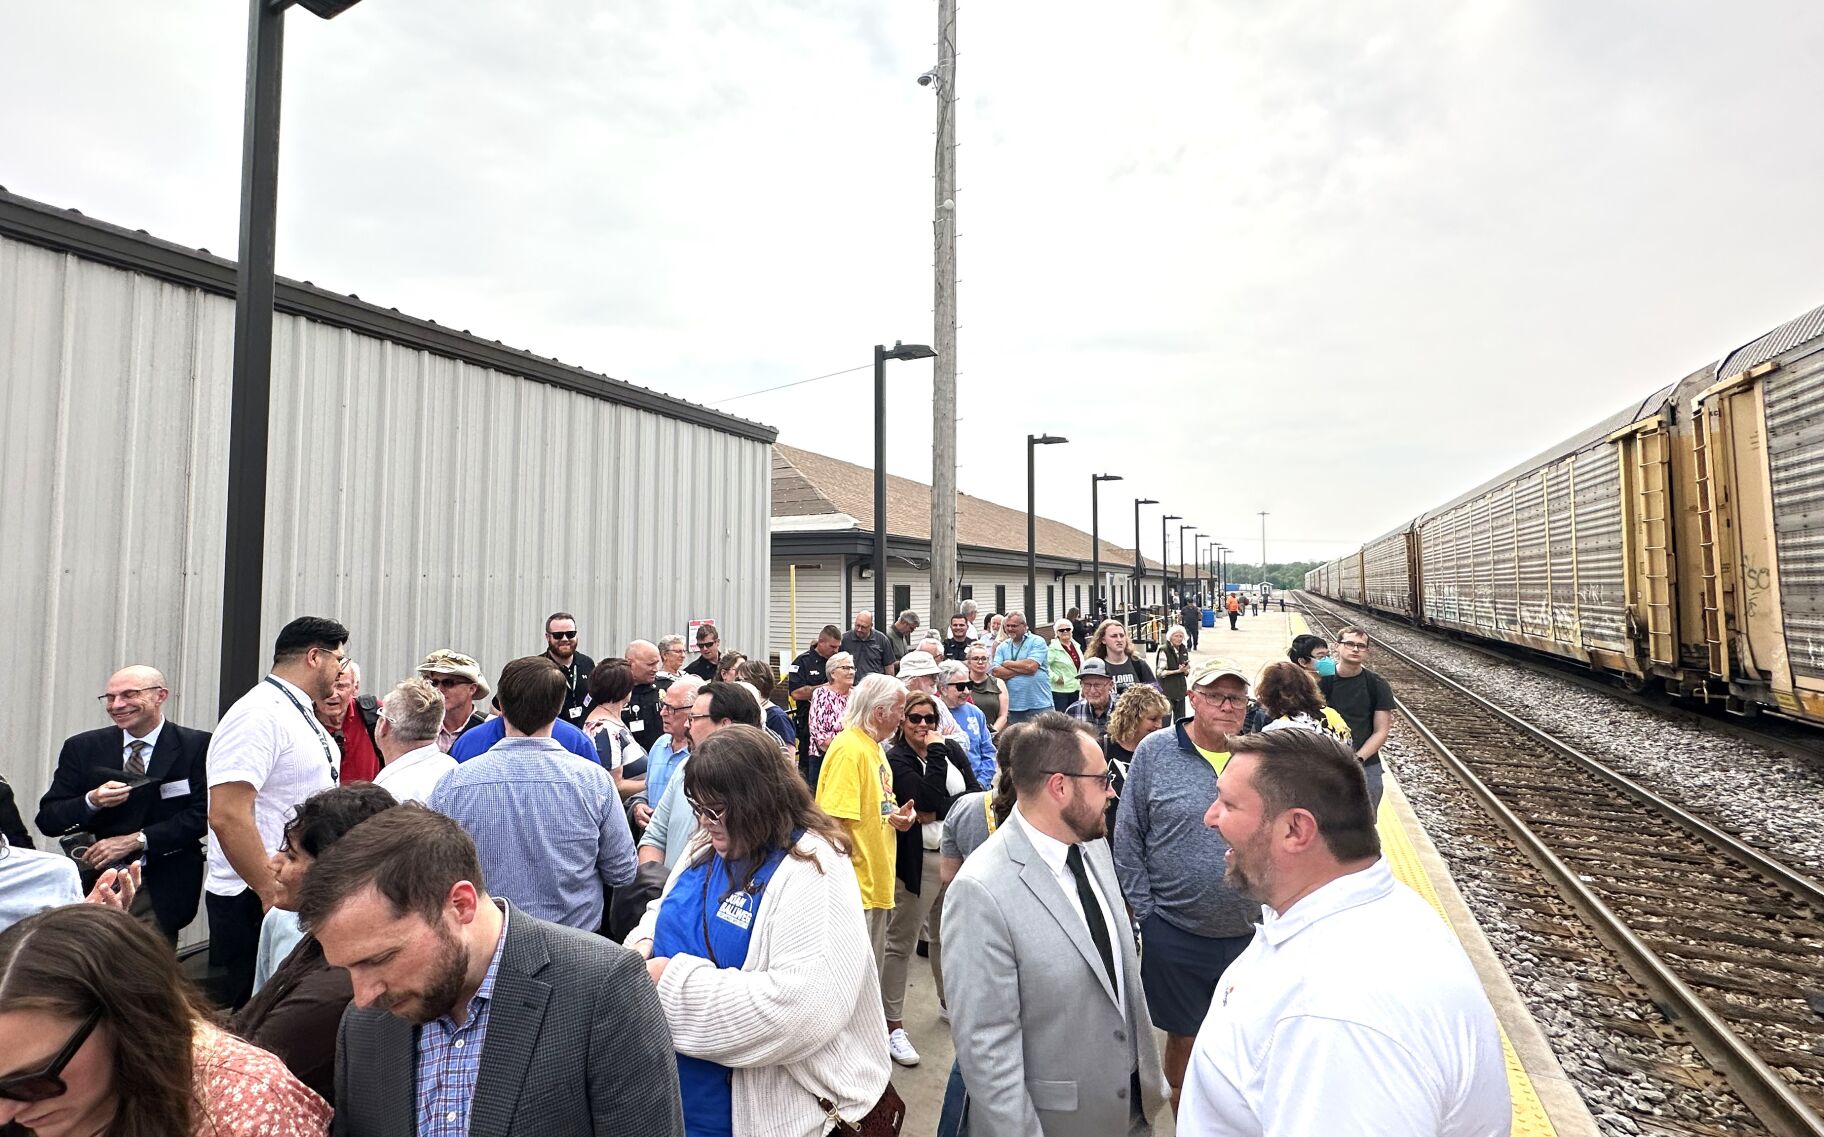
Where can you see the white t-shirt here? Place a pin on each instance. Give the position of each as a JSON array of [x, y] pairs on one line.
[[32, 880], [1356, 1012], [270, 740], [413, 775]]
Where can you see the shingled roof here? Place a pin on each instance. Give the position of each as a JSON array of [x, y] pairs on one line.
[[809, 485]]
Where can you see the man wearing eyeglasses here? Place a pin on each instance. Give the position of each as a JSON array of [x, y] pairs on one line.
[[674, 822], [665, 757], [1047, 1003], [560, 648], [269, 753], [139, 788], [1364, 700], [1193, 923], [459, 679]]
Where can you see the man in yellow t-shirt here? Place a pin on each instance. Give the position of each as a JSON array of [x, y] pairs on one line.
[[856, 788]]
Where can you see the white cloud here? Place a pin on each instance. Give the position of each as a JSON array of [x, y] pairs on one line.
[[1336, 261]]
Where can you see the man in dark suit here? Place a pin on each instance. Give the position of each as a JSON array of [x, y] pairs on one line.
[[139, 786], [524, 1026]]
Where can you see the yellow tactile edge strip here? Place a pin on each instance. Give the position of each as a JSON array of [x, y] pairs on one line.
[[1530, 1115], [1396, 846]]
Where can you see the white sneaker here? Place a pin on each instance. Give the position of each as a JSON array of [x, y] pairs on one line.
[[899, 1045]]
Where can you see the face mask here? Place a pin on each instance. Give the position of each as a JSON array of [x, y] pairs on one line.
[[1326, 666]]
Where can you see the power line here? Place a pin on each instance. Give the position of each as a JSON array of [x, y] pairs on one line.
[[783, 386]]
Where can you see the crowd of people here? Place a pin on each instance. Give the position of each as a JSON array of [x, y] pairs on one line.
[[650, 896]]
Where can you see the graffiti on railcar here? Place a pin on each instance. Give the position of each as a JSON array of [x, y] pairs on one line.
[[1757, 582]]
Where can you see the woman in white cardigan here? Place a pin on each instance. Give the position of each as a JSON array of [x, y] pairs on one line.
[[761, 955]]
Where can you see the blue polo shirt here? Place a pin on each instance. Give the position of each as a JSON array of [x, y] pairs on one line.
[[481, 739], [1026, 692]]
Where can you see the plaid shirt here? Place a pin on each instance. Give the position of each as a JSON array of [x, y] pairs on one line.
[[449, 1058], [1084, 713]]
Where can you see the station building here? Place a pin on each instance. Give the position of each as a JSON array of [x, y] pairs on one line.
[[823, 548]]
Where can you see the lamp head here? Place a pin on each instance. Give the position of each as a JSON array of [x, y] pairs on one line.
[[1045, 439], [327, 9], [1146, 501], [908, 351], [1106, 477]]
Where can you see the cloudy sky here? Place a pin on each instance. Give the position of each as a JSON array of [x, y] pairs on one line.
[[1339, 261]]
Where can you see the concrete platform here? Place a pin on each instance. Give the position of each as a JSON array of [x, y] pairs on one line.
[[1546, 1104]]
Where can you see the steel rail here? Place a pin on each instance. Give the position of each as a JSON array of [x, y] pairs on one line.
[[1768, 1095]]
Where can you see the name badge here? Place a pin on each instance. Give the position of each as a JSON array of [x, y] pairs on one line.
[[635, 726], [170, 790], [734, 910], [576, 712]]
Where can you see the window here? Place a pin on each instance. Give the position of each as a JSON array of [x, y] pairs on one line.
[[1051, 605], [968, 591], [1077, 603], [1000, 599], [902, 598]]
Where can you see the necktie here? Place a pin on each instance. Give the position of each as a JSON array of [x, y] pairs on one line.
[[136, 757], [1092, 911]]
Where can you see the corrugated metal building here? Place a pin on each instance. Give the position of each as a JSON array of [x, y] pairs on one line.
[[823, 540], [427, 487]]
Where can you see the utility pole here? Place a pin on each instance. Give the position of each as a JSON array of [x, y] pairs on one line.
[[1263, 546], [946, 589]]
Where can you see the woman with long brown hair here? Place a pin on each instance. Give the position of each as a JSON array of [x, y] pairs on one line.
[[1110, 644], [1290, 698], [102, 1036], [761, 954]]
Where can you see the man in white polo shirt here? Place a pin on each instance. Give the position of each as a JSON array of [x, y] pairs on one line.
[[407, 734], [269, 753], [1354, 1010]]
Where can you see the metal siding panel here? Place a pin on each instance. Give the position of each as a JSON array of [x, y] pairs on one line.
[[1562, 557], [819, 602], [1795, 456], [1502, 563], [1601, 587], [1533, 603], [1774, 344], [1389, 574]]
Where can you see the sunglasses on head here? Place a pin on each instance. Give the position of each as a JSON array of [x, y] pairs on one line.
[[561, 635], [927, 720], [45, 1084]]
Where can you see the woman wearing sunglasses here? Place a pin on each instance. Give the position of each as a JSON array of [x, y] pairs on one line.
[[761, 954], [101, 1034], [930, 772]]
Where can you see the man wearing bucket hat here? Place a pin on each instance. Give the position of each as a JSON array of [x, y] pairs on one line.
[[460, 680], [1193, 924]]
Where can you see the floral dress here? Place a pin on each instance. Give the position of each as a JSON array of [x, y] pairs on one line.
[[827, 709], [247, 1092]]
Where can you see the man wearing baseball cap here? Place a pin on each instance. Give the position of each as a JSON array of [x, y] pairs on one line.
[[1193, 924], [460, 680], [1098, 697]]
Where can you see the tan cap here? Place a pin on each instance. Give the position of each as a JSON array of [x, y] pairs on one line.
[[1215, 669], [444, 661]]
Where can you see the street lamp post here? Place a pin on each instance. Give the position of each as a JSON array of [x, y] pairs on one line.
[[1095, 542], [1133, 600], [1263, 546], [881, 355], [1165, 557], [250, 398], [1032, 551]]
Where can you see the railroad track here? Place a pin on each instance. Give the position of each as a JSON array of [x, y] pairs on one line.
[[1728, 941]]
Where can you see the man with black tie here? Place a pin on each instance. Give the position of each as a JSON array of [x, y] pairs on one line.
[[140, 787], [1052, 1032]]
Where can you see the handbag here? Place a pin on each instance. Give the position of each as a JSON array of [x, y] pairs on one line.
[[884, 1120]]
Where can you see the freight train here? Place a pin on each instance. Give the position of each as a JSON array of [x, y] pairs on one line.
[[1678, 543]]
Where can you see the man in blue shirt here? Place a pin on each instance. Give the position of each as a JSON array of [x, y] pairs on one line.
[[667, 754], [483, 738], [1020, 663], [547, 824]]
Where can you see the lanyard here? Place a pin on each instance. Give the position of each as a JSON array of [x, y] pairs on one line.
[[988, 808], [316, 728]]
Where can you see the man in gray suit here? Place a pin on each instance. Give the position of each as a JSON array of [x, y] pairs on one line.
[[471, 1019], [1053, 1036]]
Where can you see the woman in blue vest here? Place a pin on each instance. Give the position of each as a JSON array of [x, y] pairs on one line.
[[761, 955]]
